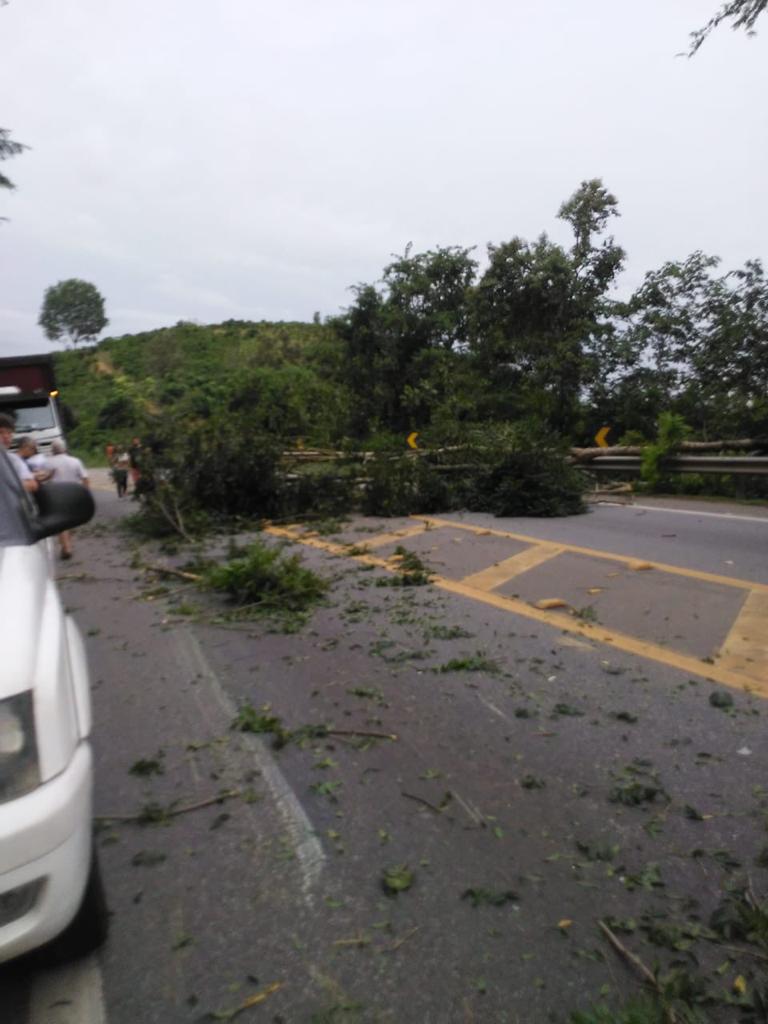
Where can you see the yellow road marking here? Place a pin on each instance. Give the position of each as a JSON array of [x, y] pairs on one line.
[[586, 630], [313, 541], [612, 638], [745, 649], [502, 572], [694, 574], [381, 539]]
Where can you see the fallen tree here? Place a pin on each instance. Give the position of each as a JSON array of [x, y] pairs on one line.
[[739, 445]]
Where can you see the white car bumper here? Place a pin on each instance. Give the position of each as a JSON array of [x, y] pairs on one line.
[[45, 857]]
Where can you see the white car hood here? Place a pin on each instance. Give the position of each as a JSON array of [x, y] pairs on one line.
[[26, 589]]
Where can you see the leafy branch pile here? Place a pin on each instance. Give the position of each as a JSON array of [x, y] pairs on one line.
[[265, 580]]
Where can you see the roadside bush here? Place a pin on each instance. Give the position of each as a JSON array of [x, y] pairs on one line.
[[325, 492], [529, 484], [403, 485], [508, 471], [231, 472], [205, 469]]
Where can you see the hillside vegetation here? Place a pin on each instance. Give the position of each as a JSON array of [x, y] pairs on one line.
[[270, 372], [521, 356]]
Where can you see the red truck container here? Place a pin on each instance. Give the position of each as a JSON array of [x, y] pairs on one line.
[[28, 393]]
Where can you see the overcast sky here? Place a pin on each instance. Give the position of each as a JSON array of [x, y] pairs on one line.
[[208, 159]]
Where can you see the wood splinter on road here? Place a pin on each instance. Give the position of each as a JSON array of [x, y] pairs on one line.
[[166, 570], [361, 732], [253, 1000], [173, 812], [647, 975]]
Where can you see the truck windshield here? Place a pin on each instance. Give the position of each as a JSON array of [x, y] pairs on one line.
[[38, 416]]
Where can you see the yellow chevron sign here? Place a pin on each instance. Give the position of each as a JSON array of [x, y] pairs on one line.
[[601, 436]]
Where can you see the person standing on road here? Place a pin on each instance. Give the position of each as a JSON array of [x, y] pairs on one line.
[[121, 463], [66, 470], [38, 464], [7, 427], [134, 454]]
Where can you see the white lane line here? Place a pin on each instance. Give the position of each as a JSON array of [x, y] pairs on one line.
[[68, 995], [309, 850], [709, 515]]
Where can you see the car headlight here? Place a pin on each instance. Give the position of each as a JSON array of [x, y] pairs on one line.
[[19, 765]]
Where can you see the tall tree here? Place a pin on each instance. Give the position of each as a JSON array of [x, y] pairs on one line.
[[741, 14], [8, 148], [704, 335], [73, 309], [394, 336], [540, 314]]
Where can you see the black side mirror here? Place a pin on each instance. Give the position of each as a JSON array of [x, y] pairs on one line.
[[61, 507]]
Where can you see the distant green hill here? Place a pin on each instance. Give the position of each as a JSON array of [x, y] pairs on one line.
[[280, 374]]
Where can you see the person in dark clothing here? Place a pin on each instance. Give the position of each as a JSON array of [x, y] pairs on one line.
[[121, 463], [134, 455]]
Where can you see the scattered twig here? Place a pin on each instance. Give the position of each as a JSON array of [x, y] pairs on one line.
[[743, 952], [472, 812], [628, 955], [174, 812], [177, 523], [647, 975], [750, 894], [358, 940], [166, 570], [421, 800], [253, 1000], [175, 590], [396, 945], [182, 529], [361, 732]]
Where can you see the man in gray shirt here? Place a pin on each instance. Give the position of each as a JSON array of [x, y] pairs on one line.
[[66, 470]]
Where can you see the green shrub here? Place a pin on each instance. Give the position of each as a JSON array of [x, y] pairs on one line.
[[323, 493], [401, 485], [507, 469], [529, 484], [268, 580]]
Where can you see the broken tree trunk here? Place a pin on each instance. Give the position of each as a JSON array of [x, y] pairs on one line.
[[739, 444]]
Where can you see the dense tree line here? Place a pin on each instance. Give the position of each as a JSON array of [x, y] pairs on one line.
[[540, 334]]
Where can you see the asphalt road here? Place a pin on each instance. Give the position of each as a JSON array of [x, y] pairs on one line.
[[506, 797]]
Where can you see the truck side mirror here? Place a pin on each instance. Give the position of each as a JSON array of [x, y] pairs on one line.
[[61, 507]]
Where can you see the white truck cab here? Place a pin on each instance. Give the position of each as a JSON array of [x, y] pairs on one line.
[[50, 888]]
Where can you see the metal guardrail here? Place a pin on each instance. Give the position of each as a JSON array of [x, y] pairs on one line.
[[746, 465], [742, 465]]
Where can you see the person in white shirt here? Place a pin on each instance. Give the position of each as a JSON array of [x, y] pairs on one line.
[[26, 476], [37, 463], [66, 470]]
